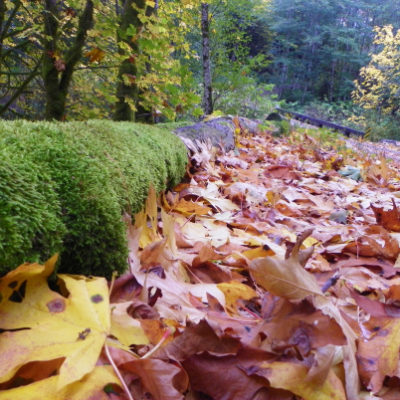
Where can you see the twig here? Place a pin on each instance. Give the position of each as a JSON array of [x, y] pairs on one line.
[[118, 373]]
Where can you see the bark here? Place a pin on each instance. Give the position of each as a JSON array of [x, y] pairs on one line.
[[6, 31], [5, 25], [57, 82], [128, 93], [205, 28], [2, 30], [144, 114]]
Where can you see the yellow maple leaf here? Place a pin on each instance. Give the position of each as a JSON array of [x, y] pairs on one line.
[[96, 385], [189, 208], [43, 325], [235, 290], [292, 377], [125, 328], [95, 55]]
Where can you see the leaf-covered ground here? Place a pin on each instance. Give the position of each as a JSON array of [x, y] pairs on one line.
[[268, 275]]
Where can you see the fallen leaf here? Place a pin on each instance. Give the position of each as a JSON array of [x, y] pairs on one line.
[[125, 328], [293, 376], [96, 385], [195, 339], [234, 291], [379, 356], [222, 377], [163, 380], [285, 278], [30, 311], [189, 208], [389, 219]]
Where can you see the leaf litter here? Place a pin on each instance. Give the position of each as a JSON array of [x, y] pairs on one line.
[[266, 274]]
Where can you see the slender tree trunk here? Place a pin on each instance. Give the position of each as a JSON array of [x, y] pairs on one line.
[[57, 72], [205, 28], [127, 88], [5, 25], [332, 82], [145, 114]]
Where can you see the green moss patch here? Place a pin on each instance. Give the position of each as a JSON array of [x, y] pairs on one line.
[[64, 187]]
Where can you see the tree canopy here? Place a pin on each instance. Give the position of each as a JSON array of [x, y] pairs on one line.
[[129, 59]]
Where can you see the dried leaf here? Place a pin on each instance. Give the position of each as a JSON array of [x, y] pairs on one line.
[[285, 278], [293, 376], [379, 356], [234, 291], [164, 381], [389, 219]]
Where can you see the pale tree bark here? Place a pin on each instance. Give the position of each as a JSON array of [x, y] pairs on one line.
[[205, 31], [58, 73]]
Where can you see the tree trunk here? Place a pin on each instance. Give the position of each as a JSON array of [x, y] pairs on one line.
[[127, 88], [3, 31], [58, 72], [144, 114], [207, 97]]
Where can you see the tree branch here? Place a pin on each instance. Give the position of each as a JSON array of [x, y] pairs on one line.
[[31, 76], [74, 54]]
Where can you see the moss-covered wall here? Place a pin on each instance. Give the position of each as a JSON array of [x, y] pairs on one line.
[[64, 186]]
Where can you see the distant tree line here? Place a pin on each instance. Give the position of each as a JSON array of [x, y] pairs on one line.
[[320, 46]]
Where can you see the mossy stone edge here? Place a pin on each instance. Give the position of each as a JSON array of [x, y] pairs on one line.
[[65, 186]]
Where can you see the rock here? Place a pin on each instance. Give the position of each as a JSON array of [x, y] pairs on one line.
[[219, 130]]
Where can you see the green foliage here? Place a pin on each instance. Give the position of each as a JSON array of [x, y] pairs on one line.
[[378, 88], [65, 187], [379, 85], [342, 113], [379, 126], [320, 46], [235, 60], [239, 94], [31, 227], [162, 47], [283, 128], [329, 139]]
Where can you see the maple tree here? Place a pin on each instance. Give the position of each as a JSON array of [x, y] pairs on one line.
[[377, 85], [267, 274]]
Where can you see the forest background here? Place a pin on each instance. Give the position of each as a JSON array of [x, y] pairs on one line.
[[143, 60]]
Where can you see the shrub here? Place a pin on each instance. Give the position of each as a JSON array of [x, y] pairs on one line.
[[64, 187], [340, 112]]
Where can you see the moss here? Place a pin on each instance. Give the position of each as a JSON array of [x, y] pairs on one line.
[[64, 186]]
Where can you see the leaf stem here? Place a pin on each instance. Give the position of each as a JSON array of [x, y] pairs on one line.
[[170, 331], [118, 373]]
